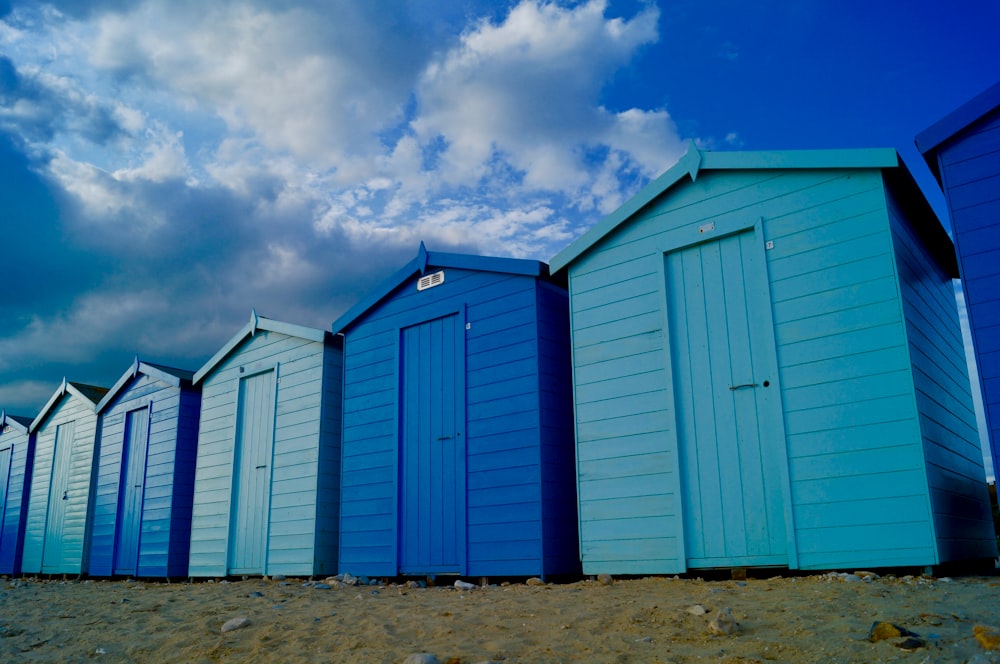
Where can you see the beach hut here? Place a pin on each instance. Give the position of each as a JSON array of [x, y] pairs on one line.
[[266, 479], [145, 473], [769, 371], [963, 152], [17, 456], [67, 439], [458, 447]]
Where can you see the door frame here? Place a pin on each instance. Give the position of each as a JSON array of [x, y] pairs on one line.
[[148, 407], [420, 316], [244, 372], [773, 424]]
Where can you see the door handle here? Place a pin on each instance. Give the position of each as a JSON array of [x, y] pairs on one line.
[[740, 387], [444, 437], [262, 466]]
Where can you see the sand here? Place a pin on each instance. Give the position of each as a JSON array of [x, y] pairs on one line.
[[818, 618]]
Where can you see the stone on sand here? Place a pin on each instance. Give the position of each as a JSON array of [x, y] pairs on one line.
[[235, 623], [723, 622]]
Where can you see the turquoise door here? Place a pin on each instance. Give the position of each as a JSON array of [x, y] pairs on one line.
[[252, 474], [52, 549], [432, 495], [728, 408], [130, 491]]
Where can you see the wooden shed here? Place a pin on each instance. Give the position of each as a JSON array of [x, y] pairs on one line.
[[60, 508], [145, 474], [266, 487], [17, 458], [769, 371], [963, 152], [458, 441]]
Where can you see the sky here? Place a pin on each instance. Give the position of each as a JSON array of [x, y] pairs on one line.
[[168, 165]]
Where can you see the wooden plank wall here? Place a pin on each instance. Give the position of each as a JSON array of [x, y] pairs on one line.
[[75, 531], [18, 486], [504, 518], [952, 452], [852, 434], [970, 175], [294, 480], [166, 507]]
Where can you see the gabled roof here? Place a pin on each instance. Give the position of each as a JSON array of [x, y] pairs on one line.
[[695, 161], [425, 260], [168, 375], [248, 330], [929, 140], [91, 395], [22, 424]]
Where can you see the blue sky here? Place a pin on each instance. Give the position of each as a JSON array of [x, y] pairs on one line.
[[166, 165]]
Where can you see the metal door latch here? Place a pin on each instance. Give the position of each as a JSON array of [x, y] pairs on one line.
[[739, 387]]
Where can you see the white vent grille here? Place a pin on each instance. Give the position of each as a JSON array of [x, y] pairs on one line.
[[6, 428], [430, 281]]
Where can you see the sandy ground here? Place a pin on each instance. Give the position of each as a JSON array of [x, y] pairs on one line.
[[820, 618]]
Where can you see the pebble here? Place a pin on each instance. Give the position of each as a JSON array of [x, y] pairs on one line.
[[256, 593], [697, 610], [605, 579], [278, 577], [235, 623], [322, 586], [723, 622], [349, 579], [851, 578], [645, 639], [412, 584], [421, 658], [464, 585], [534, 581], [307, 584]]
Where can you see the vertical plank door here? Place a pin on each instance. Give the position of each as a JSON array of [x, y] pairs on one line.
[[130, 492], [722, 349], [52, 551], [432, 528], [252, 474]]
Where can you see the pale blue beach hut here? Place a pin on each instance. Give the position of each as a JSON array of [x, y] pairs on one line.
[[963, 152], [769, 371], [145, 474], [62, 483], [266, 489], [458, 441], [17, 456]]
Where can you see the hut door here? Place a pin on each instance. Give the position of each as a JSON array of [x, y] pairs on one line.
[[5, 455], [432, 517], [52, 549], [133, 479], [722, 352], [252, 474]]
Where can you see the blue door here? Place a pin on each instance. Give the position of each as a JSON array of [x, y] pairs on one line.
[[727, 405], [432, 509], [5, 455], [130, 490], [252, 474], [59, 498]]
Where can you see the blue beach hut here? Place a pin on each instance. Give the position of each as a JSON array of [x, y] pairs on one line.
[[60, 507], [963, 152], [145, 473], [769, 371], [266, 488], [17, 456], [458, 447]]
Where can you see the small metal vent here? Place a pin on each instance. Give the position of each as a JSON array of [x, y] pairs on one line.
[[430, 281], [6, 428]]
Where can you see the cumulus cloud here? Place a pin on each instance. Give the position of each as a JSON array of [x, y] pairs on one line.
[[188, 161]]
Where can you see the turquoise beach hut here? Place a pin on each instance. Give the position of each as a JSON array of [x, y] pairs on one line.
[[963, 152], [266, 486], [145, 474], [62, 483], [458, 440], [769, 371], [17, 457]]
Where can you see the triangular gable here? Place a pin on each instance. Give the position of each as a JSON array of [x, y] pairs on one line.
[[423, 261], [930, 140], [22, 424], [258, 323], [695, 161], [168, 375], [90, 394]]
